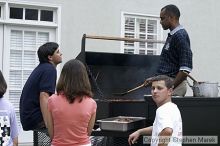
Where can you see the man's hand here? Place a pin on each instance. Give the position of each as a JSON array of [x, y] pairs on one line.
[[133, 137], [148, 81]]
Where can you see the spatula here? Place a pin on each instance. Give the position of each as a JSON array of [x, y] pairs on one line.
[[131, 90]]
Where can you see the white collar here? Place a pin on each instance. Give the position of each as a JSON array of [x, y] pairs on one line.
[[176, 29]]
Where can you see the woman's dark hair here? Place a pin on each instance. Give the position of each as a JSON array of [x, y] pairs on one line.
[[168, 80], [74, 81], [3, 85], [45, 50], [172, 10]]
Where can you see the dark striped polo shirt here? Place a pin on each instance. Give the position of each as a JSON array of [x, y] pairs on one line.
[[176, 54]]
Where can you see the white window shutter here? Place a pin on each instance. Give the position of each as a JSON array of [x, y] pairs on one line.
[[42, 38], [141, 34], [15, 58], [130, 24], [152, 26], [29, 61], [152, 35], [141, 27], [29, 51], [129, 33], [16, 39], [23, 59], [14, 94], [15, 72]]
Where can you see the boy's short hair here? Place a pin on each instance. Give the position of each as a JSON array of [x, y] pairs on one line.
[[45, 50], [168, 80]]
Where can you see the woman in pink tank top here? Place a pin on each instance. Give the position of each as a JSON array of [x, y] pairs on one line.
[[72, 111]]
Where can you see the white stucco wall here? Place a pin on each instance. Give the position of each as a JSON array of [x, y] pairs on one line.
[[99, 17]]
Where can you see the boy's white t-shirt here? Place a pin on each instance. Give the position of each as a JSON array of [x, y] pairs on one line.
[[168, 115]]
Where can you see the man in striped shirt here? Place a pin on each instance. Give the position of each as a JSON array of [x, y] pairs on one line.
[[176, 55]]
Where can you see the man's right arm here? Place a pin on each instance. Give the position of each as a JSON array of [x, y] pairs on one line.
[[146, 131]]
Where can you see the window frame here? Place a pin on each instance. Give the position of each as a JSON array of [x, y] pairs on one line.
[[56, 9], [35, 8], [136, 47]]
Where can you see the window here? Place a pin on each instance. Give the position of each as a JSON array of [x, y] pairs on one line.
[[141, 27], [31, 14], [46, 15], [16, 13], [23, 59]]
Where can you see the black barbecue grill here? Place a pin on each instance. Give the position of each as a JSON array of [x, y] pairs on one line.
[[116, 72], [111, 73]]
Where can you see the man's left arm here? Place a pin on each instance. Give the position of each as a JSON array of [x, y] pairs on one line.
[[180, 77], [43, 105]]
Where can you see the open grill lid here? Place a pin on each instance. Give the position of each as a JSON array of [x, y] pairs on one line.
[[116, 72]]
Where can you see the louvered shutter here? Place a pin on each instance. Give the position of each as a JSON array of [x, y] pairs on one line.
[[23, 59], [15, 71], [141, 28], [130, 33], [152, 35], [141, 35]]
